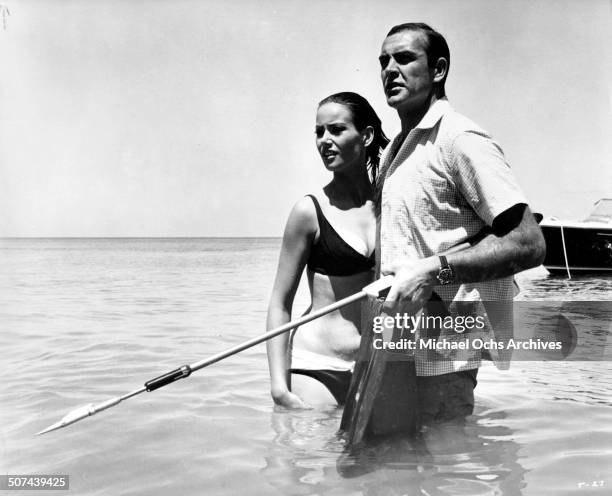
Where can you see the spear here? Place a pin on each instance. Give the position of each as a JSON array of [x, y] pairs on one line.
[[374, 289]]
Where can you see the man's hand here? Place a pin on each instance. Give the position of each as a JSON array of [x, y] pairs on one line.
[[412, 287]]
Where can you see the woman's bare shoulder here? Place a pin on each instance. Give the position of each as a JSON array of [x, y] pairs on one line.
[[304, 212]]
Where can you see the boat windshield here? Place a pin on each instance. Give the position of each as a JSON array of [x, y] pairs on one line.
[[602, 211]]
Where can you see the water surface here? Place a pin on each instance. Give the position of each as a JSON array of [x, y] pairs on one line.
[[86, 319]]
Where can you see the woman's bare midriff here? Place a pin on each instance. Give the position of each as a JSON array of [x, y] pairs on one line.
[[336, 334]]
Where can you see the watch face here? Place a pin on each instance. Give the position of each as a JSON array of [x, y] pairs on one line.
[[445, 276]]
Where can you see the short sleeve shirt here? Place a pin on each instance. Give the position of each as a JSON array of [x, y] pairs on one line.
[[441, 185]]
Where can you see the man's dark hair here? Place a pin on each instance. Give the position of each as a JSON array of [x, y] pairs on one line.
[[436, 47]]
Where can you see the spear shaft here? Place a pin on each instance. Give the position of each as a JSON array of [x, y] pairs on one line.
[[374, 289]]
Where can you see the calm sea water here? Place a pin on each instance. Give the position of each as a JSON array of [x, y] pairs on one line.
[[83, 320]]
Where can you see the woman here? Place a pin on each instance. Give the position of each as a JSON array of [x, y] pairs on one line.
[[332, 234]]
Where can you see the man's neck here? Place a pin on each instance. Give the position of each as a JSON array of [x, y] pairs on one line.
[[411, 118]]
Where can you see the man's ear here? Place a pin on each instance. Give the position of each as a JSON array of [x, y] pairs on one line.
[[440, 70], [368, 136]]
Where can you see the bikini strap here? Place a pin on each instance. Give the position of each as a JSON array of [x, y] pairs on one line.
[[320, 215]]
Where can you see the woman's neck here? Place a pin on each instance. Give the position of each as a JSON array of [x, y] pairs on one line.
[[352, 190]]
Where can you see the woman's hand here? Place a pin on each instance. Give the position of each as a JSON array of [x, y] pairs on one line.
[[290, 400]]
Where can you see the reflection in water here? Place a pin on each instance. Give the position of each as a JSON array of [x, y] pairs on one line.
[[478, 457], [146, 303], [304, 450]]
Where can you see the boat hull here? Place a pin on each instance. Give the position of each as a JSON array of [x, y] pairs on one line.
[[588, 248]]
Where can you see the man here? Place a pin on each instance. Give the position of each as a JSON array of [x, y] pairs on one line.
[[443, 181]]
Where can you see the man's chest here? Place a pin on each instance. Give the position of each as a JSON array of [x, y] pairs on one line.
[[419, 179]]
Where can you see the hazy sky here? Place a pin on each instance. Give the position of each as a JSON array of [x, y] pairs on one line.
[[196, 118]]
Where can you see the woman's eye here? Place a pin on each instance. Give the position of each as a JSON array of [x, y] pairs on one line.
[[335, 130], [318, 132]]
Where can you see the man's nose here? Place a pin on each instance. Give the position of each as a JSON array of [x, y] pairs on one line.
[[390, 68]]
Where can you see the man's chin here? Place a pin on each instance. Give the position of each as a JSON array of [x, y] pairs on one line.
[[395, 101], [392, 101]]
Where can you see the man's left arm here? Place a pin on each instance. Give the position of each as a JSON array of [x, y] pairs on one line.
[[514, 244]]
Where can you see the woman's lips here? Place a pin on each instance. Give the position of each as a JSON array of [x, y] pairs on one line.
[[329, 154]]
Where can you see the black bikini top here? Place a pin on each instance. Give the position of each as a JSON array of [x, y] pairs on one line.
[[333, 256]]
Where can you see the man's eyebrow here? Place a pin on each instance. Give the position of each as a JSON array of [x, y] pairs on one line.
[[334, 123], [398, 51], [405, 51]]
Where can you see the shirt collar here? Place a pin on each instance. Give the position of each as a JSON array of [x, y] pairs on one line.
[[434, 114]]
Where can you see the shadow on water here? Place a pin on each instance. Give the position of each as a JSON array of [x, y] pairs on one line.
[[476, 457]]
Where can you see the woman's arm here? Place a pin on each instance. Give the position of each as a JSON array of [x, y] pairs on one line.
[[299, 235]]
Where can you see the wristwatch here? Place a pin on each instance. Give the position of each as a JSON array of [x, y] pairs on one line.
[[445, 274]]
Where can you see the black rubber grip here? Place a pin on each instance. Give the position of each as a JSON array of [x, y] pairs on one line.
[[172, 376]]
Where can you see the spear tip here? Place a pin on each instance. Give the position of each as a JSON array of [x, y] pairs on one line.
[[53, 427], [71, 418]]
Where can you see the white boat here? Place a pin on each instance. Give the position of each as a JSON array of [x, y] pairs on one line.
[[580, 247]]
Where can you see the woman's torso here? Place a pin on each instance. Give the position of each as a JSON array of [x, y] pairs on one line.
[[341, 264]]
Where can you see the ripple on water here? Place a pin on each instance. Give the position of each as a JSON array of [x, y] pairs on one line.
[[148, 306]]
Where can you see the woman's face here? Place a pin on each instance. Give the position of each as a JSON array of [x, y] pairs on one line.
[[340, 144]]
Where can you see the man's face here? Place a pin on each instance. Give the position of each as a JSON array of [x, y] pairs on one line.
[[406, 77]]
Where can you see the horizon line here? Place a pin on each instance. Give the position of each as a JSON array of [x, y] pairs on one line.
[[140, 237]]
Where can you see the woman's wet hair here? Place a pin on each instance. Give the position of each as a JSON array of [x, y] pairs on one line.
[[363, 116]]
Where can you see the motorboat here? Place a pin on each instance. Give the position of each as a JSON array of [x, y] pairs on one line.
[[580, 247]]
